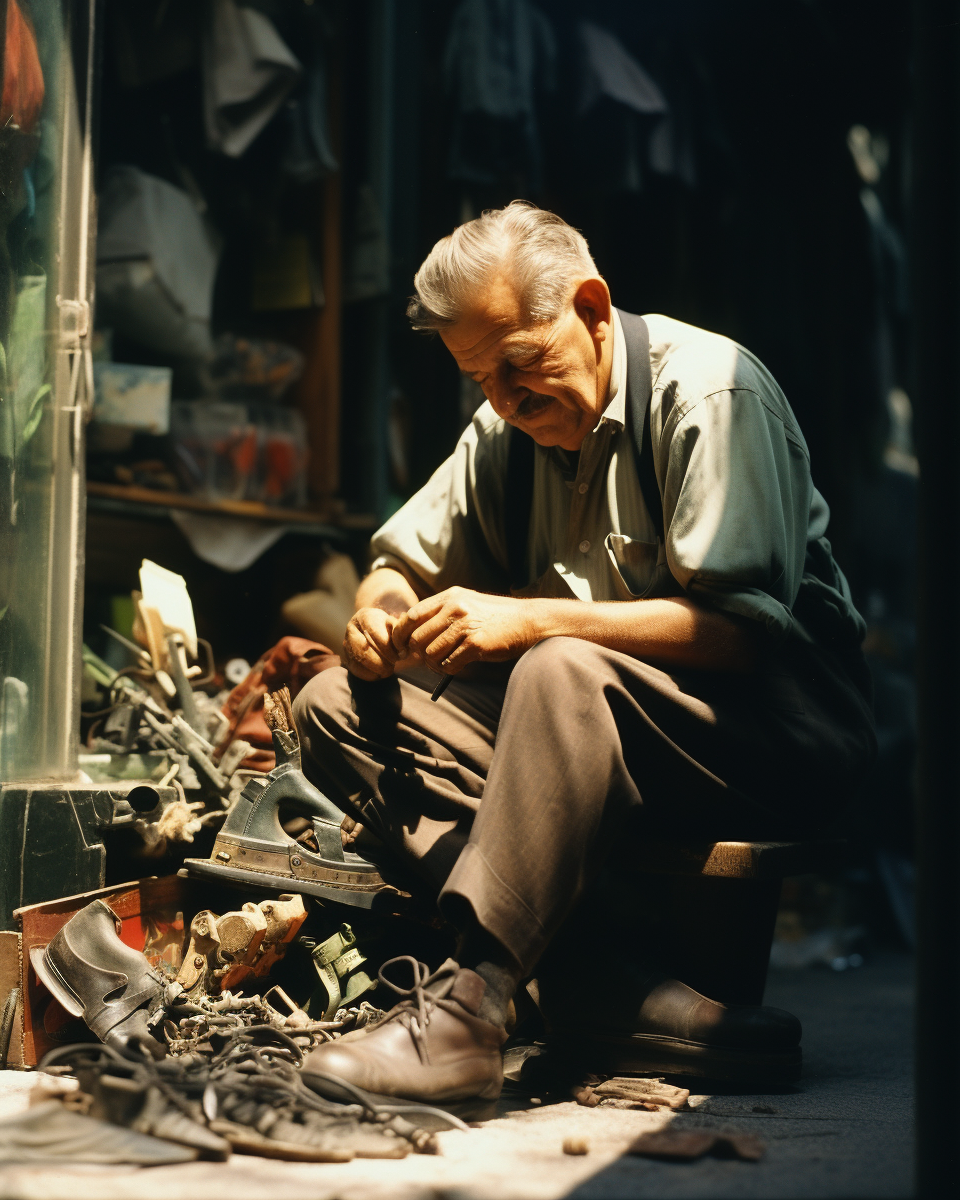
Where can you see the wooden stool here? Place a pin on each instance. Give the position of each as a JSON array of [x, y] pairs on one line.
[[716, 906]]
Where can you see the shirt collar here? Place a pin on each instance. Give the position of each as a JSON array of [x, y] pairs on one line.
[[615, 412]]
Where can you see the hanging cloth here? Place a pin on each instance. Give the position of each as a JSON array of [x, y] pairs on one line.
[[248, 72], [499, 55]]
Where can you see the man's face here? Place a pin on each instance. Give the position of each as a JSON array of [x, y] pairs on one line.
[[549, 380]]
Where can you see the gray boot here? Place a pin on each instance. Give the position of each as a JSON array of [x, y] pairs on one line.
[[95, 976]]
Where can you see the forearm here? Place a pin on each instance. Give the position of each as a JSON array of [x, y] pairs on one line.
[[674, 631], [386, 589]]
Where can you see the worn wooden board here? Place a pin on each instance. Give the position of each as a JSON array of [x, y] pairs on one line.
[[10, 974]]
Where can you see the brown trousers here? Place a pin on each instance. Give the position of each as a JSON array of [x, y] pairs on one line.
[[572, 751]]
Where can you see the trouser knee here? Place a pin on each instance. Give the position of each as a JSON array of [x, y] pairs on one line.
[[560, 666]]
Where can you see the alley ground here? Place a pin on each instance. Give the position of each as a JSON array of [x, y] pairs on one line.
[[844, 1132]]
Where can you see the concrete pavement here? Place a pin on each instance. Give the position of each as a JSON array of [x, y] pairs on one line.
[[843, 1134]]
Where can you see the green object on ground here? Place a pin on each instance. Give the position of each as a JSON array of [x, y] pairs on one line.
[[337, 962]]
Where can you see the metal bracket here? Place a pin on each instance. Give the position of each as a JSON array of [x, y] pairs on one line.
[[74, 322]]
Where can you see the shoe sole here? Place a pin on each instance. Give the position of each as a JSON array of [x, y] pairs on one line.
[[645, 1054], [202, 868], [473, 1109]]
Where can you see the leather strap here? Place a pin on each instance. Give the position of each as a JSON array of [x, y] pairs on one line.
[[518, 490], [636, 338], [518, 504]]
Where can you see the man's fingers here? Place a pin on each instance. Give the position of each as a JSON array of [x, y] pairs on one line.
[[441, 644], [375, 627], [362, 657], [424, 635], [355, 642], [384, 649], [368, 667], [458, 657], [413, 618], [362, 672]]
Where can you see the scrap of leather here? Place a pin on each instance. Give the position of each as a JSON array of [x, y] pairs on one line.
[[652, 1094], [292, 662], [51, 1132]]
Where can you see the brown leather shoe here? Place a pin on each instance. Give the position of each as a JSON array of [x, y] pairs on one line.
[[651, 1023], [432, 1048]]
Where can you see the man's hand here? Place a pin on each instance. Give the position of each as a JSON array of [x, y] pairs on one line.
[[368, 650], [459, 626]]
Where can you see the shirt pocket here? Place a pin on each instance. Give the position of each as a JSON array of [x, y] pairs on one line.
[[637, 565]]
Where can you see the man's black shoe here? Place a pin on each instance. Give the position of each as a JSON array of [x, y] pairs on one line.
[[676, 1031]]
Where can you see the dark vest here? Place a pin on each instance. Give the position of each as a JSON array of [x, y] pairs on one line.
[[518, 493]]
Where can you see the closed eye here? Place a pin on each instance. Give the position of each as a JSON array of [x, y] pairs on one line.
[[523, 354]]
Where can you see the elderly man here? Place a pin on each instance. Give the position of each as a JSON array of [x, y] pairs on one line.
[[623, 567]]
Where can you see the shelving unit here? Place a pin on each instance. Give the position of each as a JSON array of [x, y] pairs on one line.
[[327, 520]]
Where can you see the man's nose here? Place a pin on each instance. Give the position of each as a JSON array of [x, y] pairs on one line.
[[506, 396]]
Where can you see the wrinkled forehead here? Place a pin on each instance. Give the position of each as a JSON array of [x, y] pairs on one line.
[[493, 327]]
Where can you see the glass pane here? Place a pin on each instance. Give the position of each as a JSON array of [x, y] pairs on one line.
[[43, 267]]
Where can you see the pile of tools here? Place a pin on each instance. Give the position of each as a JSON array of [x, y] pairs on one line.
[[157, 719], [196, 1046], [192, 1061], [159, 724]]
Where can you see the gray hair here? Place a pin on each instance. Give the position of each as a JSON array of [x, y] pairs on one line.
[[538, 251]]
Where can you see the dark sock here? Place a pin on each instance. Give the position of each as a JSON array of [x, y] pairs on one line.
[[480, 952]]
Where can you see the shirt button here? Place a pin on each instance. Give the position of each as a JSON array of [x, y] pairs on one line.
[[584, 547], [582, 489]]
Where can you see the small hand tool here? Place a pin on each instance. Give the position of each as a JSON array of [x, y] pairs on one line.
[[441, 687]]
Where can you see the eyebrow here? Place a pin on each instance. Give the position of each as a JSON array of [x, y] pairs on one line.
[[511, 353], [522, 350]]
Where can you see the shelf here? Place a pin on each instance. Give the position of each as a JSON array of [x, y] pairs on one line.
[[133, 500]]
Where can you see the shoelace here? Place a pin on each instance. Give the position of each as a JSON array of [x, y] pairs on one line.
[[103, 1059], [257, 1066], [416, 1021]]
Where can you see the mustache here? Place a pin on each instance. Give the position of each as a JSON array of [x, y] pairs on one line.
[[532, 404]]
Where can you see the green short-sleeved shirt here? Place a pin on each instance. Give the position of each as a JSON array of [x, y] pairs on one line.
[[744, 525]]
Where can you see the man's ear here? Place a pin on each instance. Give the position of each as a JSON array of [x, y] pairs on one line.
[[594, 308]]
